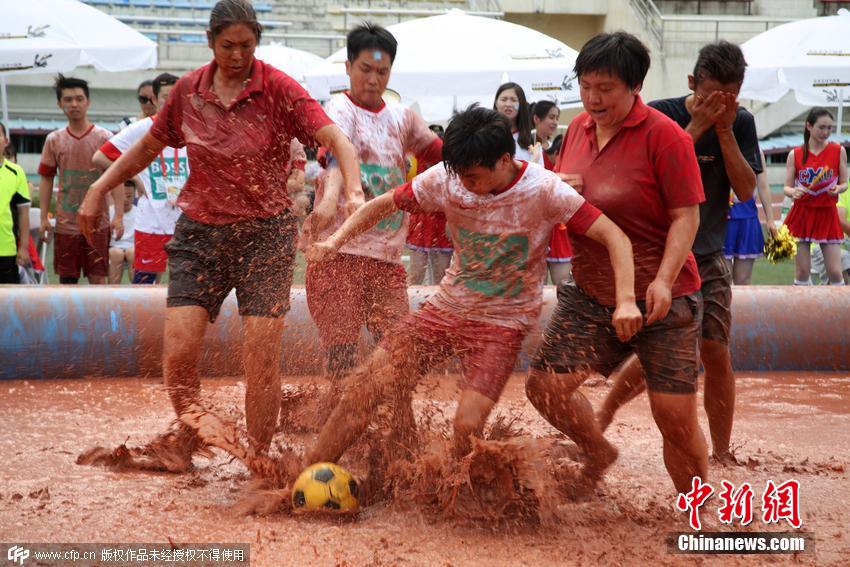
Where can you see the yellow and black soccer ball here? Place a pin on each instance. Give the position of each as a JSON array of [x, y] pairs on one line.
[[326, 487]]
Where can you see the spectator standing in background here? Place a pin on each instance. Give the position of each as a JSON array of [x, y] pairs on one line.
[[14, 216], [162, 181], [510, 101], [815, 174], [121, 249], [147, 104], [68, 153], [744, 237]]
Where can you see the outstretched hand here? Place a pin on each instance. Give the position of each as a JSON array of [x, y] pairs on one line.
[[321, 252], [88, 215]]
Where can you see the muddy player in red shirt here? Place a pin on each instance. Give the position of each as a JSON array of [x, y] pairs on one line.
[[639, 168], [237, 117]]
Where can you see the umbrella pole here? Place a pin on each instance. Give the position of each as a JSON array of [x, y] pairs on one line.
[[840, 109], [5, 101]]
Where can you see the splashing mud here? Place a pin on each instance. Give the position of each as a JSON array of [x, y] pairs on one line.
[[506, 503]]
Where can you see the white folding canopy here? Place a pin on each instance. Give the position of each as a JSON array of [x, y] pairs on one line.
[[293, 62], [810, 57], [54, 36]]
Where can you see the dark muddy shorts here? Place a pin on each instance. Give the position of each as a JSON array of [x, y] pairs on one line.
[[256, 257], [716, 297], [580, 336]]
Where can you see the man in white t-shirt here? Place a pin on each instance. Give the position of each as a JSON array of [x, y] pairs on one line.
[[162, 180], [500, 212], [366, 283]]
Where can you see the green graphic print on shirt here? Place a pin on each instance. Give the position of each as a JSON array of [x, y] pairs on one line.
[[492, 264], [159, 181], [377, 180], [75, 184]]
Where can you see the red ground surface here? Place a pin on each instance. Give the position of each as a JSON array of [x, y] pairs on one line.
[[788, 426]]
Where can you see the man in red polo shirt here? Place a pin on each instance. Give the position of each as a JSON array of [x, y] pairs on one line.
[[639, 168]]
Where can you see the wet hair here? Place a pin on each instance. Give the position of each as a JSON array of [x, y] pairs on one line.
[[814, 115], [63, 82], [476, 137], [621, 54], [371, 37], [144, 84], [523, 116], [162, 80], [228, 12], [721, 61]]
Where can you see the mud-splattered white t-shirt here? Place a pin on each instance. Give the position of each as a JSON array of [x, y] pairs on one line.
[[500, 240], [382, 138]]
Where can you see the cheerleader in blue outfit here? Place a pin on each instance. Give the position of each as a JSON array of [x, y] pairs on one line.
[[744, 237]]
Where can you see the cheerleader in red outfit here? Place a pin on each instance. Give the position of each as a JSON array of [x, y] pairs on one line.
[[815, 174], [545, 115]]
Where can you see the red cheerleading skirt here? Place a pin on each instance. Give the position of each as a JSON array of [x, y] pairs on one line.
[[560, 249], [814, 224]]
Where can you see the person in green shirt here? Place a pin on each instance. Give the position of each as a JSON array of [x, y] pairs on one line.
[[14, 202]]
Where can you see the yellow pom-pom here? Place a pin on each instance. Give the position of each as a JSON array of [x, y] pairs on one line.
[[781, 248]]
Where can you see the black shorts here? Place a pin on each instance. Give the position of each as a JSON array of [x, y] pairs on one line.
[[580, 336], [256, 257], [716, 297]]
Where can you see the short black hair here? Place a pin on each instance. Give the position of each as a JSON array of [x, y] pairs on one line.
[[11, 151], [162, 80], [63, 82], [476, 137], [721, 61], [370, 36], [142, 85], [619, 53]]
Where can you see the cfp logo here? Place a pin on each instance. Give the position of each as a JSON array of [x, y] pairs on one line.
[[17, 554]]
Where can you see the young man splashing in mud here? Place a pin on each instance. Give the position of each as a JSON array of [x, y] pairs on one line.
[[500, 212]]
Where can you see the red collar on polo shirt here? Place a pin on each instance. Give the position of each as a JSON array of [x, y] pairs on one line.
[[636, 115], [83, 135], [358, 105], [256, 83]]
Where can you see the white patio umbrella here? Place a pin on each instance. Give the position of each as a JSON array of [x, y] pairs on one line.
[[445, 62], [293, 62], [810, 57], [54, 36]]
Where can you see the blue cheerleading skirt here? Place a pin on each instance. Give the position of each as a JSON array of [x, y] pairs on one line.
[[744, 238]]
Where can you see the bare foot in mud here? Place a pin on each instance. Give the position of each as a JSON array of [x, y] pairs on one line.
[[598, 461], [168, 452], [604, 419], [260, 498], [725, 459]]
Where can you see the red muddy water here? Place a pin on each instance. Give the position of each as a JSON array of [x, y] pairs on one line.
[[787, 426]]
